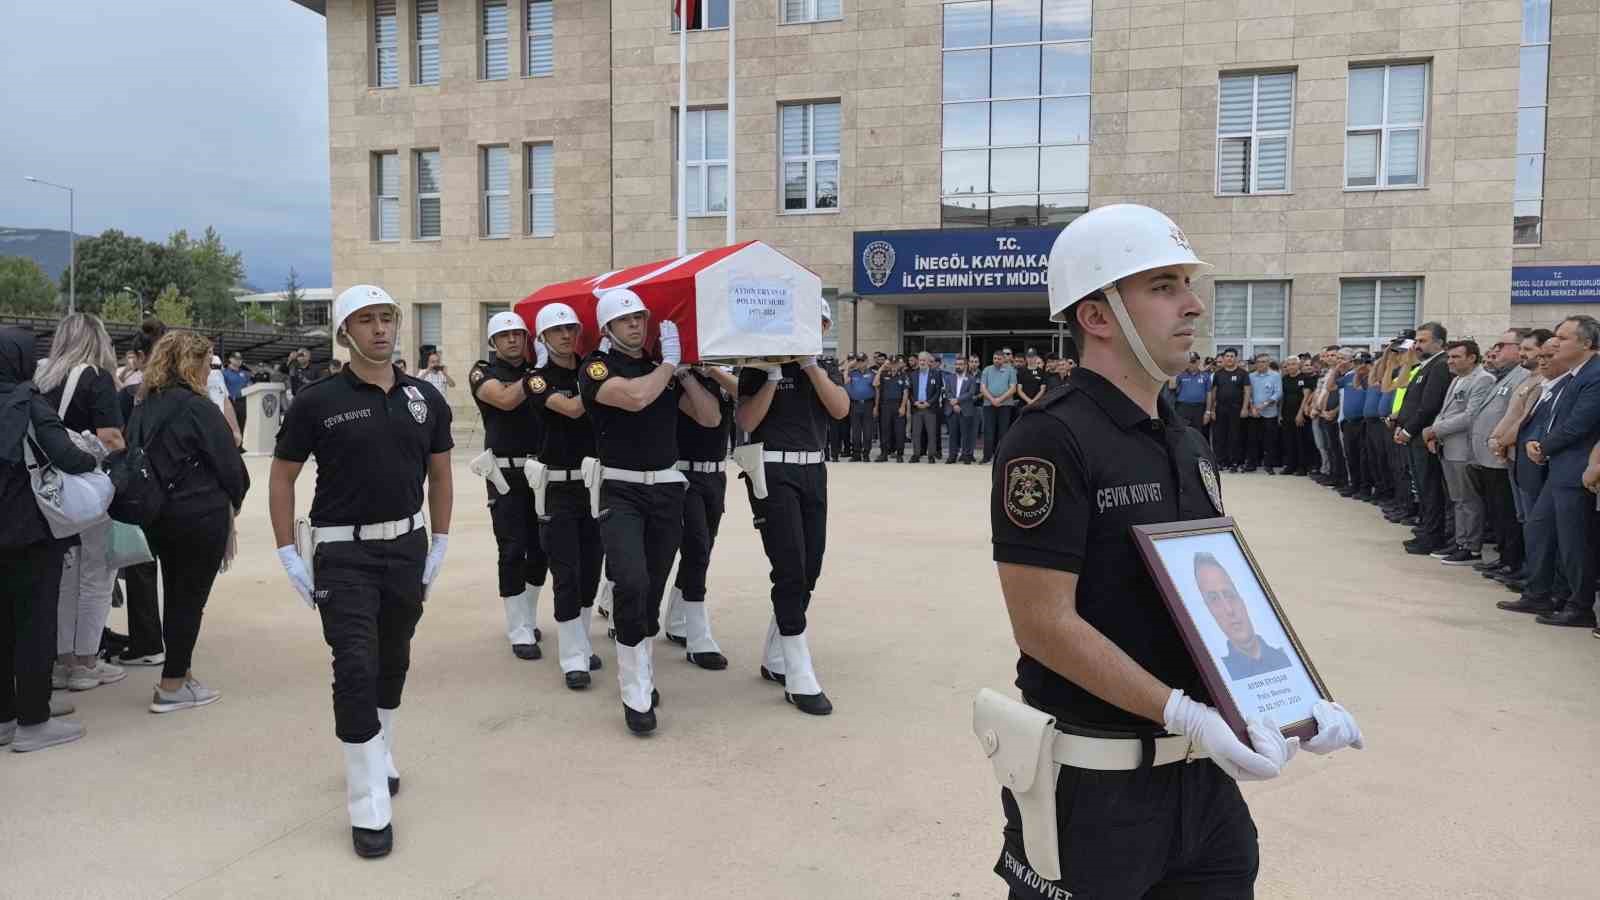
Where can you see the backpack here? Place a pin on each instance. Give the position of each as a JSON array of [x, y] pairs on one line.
[[140, 489]]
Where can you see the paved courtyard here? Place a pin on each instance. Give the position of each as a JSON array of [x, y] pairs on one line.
[[1478, 779]]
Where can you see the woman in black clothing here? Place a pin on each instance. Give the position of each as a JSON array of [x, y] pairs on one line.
[[144, 647], [191, 448], [30, 557]]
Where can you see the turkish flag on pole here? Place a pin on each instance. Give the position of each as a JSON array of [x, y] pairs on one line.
[[685, 11]]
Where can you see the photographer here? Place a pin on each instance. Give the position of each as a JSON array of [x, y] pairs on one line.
[[435, 373]]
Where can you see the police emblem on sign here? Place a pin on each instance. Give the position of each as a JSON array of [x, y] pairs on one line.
[[878, 260], [1208, 477], [1030, 486], [597, 371], [416, 405]]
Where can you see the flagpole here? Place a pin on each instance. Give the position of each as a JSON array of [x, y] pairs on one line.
[[686, 12], [733, 132]]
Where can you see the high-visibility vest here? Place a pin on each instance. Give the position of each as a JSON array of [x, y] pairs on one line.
[[1400, 389]]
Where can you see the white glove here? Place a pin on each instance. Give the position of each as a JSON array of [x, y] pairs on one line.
[[671, 347], [541, 354], [1336, 729], [436, 548], [1204, 725], [299, 575], [774, 373], [809, 362]]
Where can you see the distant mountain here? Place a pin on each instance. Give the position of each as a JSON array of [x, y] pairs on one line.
[[45, 246]]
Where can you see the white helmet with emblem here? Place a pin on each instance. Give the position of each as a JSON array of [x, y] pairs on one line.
[[1106, 245], [555, 315], [356, 297], [616, 303], [502, 322]]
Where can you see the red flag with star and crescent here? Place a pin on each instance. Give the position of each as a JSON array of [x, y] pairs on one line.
[[684, 9]]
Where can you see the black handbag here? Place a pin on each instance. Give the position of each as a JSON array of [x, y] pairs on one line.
[[140, 490]]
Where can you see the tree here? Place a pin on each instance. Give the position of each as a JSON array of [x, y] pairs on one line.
[[122, 307], [173, 308], [25, 289], [204, 271], [289, 310], [110, 263], [258, 315], [215, 272]]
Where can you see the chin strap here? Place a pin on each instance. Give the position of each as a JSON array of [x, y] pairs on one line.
[[618, 343], [353, 348], [1135, 340]]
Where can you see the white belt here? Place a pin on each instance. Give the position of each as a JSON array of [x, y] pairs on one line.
[[686, 465], [510, 462], [555, 476], [381, 531], [1119, 754], [801, 457], [658, 476]]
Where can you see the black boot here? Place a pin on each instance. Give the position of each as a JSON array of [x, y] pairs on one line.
[[640, 722], [527, 651], [371, 844], [577, 681], [769, 675], [594, 662], [813, 704], [713, 661]]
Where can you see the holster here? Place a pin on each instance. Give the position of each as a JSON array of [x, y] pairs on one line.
[[593, 474], [538, 475], [1019, 741], [484, 466], [748, 458], [305, 545]]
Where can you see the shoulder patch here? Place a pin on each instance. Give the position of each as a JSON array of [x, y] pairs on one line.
[[597, 371], [477, 375], [1030, 485], [536, 384]]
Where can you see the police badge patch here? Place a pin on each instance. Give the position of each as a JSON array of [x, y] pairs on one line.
[[536, 384], [1208, 477], [417, 405], [477, 375], [1030, 486], [597, 371]]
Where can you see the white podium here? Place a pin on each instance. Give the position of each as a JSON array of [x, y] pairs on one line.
[[263, 412]]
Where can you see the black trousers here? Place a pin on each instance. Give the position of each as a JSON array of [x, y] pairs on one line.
[[191, 539], [1575, 532], [370, 596], [1170, 832], [571, 541], [641, 526], [891, 431], [1433, 503], [963, 434], [516, 534], [144, 608], [1405, 483], [1227, 438], [861, 428], [1375, 436], [238, 412], [838, 437], [1494, 486], [1292, 441], [30, 584], [996, 421], [703, 505], [1354, 455], [793, 522], [1261, 442]]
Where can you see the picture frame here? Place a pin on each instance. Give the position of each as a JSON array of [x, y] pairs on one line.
[[1251, 660]]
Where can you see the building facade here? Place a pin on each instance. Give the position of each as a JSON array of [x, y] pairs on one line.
[[1351, 167]]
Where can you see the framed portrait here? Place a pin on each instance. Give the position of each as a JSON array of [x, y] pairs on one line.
[[1252, 662]]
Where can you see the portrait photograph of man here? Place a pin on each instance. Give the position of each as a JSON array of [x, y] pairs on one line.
[[1248, 655]]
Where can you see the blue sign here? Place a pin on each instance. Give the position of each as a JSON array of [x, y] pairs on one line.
[[957, 261], [1555, 284]]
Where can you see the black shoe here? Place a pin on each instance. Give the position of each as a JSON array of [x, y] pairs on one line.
[[1525, 604], [1462, 557], [1348, 492], [932, 460], [882, 459], [527, 651], [680, 640], [1271, 471], [812, 704], [968, 461], [640, 722], [714, 662], [767, 675], [595, 664], [1421, 547], [1411, 519], [1248, 469], [372, 844], [916, 458], [1444, 551], [577, 681], [394, 787], [949, 460], [1570, 616], [1515, 587], [1490, 565]]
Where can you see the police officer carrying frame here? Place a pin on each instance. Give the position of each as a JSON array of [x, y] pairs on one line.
[[376, 434], [637, 492], [513, 432], [703, 459], [786, 410], [568, 532], [1101, 659]]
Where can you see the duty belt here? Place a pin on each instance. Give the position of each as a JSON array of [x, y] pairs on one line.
[[656, 476], [1119, 754], [511, 462], [558, 475], [798, 457], [688, 465], [378, 531]]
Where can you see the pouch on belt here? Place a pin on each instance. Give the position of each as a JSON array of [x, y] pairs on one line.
[[1019, 741], [538, 475], [484, 466], [748, 458], [593, 474]]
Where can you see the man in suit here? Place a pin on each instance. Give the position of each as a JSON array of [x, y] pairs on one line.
[[927, 395], [1565, 446], [1450, 436], [1488, 470], [962, 410], [1424, 399], [1544, 590]]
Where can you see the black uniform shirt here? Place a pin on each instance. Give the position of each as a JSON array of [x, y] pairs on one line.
[[697, 443], [1030, 380], [1051, 379], [1230, 389], [566, 440], [796, 419], [1075, 472], [94, 402], [646, 440], [890, 389], [1294, 391], [517, 432], [372, 448]]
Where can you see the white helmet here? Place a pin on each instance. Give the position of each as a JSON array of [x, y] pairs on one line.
[[357, 297], [553, 316], [502, 322], [1106, 245], [616, 303], [827, 311]]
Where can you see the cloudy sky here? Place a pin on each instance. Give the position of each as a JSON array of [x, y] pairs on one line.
[[167, 114]]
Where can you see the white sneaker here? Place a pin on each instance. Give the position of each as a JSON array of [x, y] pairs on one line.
[[85, 678], [48, 733], [58, 677], [193, 694], [60, 707]]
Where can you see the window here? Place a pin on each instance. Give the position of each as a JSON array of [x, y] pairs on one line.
[[427, 56], [495, 217], [1527, 204], [541, 37], [430, 326], [795, 11], [810, 156], [426, 164], [541, 181], [1016, 112], [386, 196], [1385, 123], [707, 162], [1255, 124], [489, 310], [1252, 317], [708, 14], [496, 25], [1373, 310], [385, 44]]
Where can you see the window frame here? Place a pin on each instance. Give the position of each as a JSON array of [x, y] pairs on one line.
[[813, 18], [529, 33], [700, 7], [485, 37], [419, 196], [532, 191], [810, 159], [419, 312], [486, 193], [1377, 308], [1248, 343], [376, 46], [705, 164], [1255, 135], [1385, 129], [379, 198], [418, 43], [1544, 110]]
